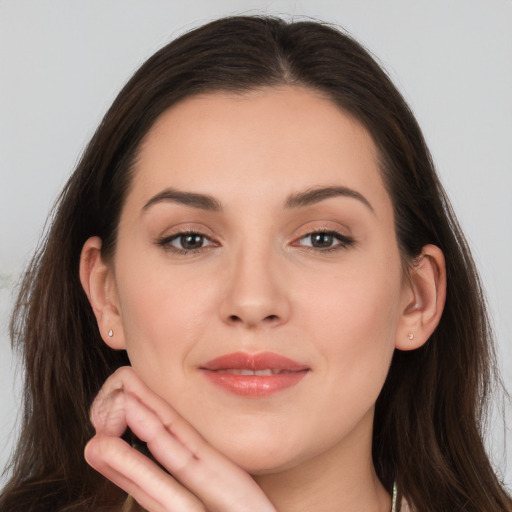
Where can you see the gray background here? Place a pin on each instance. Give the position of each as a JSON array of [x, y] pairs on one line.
[[62, 62]]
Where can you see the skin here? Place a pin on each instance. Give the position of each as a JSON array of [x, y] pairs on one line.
[[255, 283]]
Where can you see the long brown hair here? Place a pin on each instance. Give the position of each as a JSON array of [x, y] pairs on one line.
[[428, 419]]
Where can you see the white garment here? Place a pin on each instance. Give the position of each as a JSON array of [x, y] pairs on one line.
[[404, 506]]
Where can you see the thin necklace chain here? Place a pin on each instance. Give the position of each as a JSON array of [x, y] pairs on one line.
[[393, 505]]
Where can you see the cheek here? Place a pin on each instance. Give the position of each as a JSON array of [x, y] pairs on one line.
[[352, 323], [352, 318], [354, 307], [163, 315]]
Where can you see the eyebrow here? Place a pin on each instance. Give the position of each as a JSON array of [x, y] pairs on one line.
[[295, 200], [201, 201], [315, 195]]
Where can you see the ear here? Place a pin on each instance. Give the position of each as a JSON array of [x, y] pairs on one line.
[[424, 298], [98, 282]]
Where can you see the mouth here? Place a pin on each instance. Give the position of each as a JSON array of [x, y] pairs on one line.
[[241, 371], [254, 375]]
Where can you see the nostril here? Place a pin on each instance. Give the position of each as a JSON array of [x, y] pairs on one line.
[[237, 319]]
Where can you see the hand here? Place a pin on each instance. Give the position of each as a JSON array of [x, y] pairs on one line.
[[196, 476]]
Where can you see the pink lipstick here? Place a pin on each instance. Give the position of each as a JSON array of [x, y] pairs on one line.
[[254, 375]]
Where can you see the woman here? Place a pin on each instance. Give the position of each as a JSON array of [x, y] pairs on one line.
[[256, 228]]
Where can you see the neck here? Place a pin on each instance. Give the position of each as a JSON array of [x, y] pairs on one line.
[[340, 479]]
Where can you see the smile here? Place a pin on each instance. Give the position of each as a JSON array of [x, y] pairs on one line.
[[240, 371], [254, 375]]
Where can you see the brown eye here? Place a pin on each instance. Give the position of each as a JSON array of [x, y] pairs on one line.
[[190, 241], [322, 240], [325, 240], [186, 242]]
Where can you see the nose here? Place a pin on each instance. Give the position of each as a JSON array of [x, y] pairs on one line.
[[256, 293]]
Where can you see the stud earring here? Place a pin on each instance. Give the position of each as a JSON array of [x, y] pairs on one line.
[[411, 336], [110, 333]]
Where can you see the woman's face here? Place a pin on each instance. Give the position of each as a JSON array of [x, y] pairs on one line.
[[258, 230]]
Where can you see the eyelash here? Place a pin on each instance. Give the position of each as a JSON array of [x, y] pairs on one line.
[[344, 242], [165, 242]]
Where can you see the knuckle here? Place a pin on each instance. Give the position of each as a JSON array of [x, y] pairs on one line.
[[107, 411], [185, 466], [123, 373], [154, 431], [169, 426]]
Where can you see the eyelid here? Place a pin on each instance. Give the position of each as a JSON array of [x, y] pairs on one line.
[[344, 240], [164, 241], [184, 228], [322, 226]]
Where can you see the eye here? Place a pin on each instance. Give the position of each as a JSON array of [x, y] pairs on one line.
[[325, 240], [186, 242]]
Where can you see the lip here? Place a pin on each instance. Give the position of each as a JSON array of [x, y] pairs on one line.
[[230, 373]]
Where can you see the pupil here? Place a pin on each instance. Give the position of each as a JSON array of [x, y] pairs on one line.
[[191, 241], [322, 240]]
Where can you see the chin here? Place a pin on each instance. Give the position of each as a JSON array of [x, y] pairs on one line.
[[257, 454], [263, 464]]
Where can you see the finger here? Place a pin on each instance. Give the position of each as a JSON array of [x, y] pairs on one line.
[[212, 477], [216, 481], [149, 485], [146, 425], [107, 412]]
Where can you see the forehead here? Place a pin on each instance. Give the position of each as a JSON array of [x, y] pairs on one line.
[[260, 143]]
